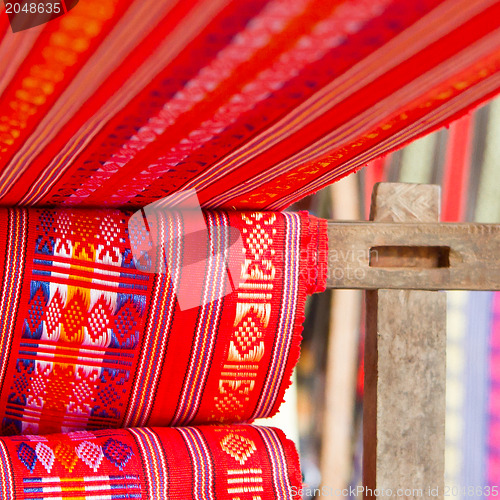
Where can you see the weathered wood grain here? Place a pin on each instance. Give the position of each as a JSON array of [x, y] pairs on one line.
[[403, 202], [405, 374], [357, 261]]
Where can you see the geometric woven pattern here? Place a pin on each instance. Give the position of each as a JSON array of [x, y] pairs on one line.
[[96, 342], [152, 464]]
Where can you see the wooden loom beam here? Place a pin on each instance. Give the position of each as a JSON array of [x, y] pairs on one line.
[[399, 257], [399, 252], [405, 357], [402, 257]]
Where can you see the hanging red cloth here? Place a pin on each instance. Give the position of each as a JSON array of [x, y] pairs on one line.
[[253, 103]]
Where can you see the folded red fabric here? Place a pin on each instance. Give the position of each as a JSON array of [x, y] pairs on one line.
[[91, 340], [238, 462]]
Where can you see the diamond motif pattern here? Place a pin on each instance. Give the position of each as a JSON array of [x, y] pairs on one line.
[[117, 452], [45, 455], [98, 322], [91, 454], [238, 447], [27, 455], [75, 316], [53, 315], [65, 453]]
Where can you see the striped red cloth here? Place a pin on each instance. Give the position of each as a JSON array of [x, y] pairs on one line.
[[223, 463], [88, 340], [253, 103]]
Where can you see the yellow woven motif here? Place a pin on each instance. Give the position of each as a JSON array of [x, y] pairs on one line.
[[238, 447], [253, 311], [242, 481]]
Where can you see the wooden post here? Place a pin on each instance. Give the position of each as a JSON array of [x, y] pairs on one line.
[[342, 358], [405, 367]]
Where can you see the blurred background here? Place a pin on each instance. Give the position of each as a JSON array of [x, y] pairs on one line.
[[324, 408]]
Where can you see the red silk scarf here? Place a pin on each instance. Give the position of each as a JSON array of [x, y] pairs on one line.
[[253, 103], [89, 341], [205, 463]]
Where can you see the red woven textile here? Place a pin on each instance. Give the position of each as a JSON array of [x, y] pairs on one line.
[[237, 462], [253, 103], [89, 341]]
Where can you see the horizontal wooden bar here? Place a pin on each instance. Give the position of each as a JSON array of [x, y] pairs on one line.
[[414, 256]]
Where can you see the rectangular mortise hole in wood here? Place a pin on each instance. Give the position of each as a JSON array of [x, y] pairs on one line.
[[410, 257]]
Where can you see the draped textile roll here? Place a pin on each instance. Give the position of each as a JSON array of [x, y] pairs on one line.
[[253, 103], [90, 341], [237, 462]]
